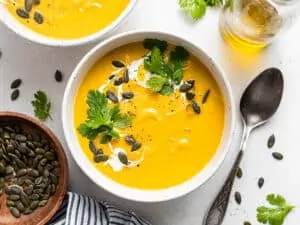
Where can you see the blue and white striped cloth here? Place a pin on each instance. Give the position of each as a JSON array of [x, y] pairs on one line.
[[82, 210]]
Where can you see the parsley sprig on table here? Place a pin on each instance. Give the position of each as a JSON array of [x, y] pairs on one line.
[[276, 214], [197, 8], [41, 105], [164, 73], [102, 119]]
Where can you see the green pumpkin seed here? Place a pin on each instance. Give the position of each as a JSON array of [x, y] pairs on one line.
[[9, 170], [196, 107], [21, 172], [136, 146], [38, 18], [123, 158], [9, 129], [277, 155], [34, 196], [38, 191], [16, 190], [13, 197], [53, 178], [112, 96], [15, 212], [20, 206], [10, 203], [205, 97], [239, 173], [33, 173], [261, 182], [271, 141], [43, 162], [24, 199], [30, 144], [43, 203], [45, 197], [28, 190], [118, 63], [190, 95], [100, 158], [10, 148], [1, 182], [50, 156], [40, 151], [16, 93], [20, 137], [55, 163], [6, 135], [28, 181], [20, 181], [247, 223], [28, 5], [238, 197], [2, 168], [38, 180], [185, 87], [33, 205]]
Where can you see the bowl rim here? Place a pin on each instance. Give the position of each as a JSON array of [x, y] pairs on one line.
[[107, 183], [65, 165], [28, 34]]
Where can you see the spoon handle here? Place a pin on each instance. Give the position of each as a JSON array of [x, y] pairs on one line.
[[218, 209]]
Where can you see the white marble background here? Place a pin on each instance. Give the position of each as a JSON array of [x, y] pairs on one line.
[[36, 65]]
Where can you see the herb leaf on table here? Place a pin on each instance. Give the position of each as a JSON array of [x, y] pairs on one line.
[[102, 119], [41, 105], [276, 214]]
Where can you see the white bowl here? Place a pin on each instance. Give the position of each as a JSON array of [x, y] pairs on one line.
[[8, 19], [102, 180]]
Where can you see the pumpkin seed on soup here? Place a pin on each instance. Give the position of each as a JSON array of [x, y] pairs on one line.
[[22, 13], [196, 107], [28, 5], [205, 97], [38, 18], [118, 64], [123, 158]]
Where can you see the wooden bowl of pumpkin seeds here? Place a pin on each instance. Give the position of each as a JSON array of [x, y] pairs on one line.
[[33, 171]]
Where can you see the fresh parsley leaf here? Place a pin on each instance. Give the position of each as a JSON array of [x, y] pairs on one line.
[[88, 132], [41, 105], [167, 90], [122, 121], [102, 119], [155, 62], [177, 71], [179, 53], [151, 43], [195, 8], [213, 2], [276, 214], [156, 83]]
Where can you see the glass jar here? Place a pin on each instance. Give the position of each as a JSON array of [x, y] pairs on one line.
[[255, 23]]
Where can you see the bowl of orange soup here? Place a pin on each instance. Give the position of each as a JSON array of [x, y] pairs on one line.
[[148, 116], [64, 22]]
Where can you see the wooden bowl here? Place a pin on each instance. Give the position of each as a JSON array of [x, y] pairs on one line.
[[42, 214]]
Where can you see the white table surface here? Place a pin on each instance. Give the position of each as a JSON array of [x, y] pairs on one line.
[[36, 65]]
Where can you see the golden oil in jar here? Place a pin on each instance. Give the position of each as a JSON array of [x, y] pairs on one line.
[[250, 23]]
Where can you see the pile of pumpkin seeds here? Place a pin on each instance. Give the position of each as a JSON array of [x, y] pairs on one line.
[[29, 170], [24, 13]]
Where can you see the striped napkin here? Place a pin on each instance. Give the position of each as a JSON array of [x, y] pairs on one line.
[[81, 210]]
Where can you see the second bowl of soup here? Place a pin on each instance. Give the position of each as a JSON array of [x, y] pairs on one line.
[[148, 116], [64, 22]]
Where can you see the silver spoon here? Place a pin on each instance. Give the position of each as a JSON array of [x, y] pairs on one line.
[[258, 104]]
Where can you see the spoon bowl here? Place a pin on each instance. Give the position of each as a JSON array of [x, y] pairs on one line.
[[262, 97]]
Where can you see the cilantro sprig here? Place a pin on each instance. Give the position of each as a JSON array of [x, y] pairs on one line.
[[197, 8], [274, 215], [102, 119], [41, 105], [164, 73]]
